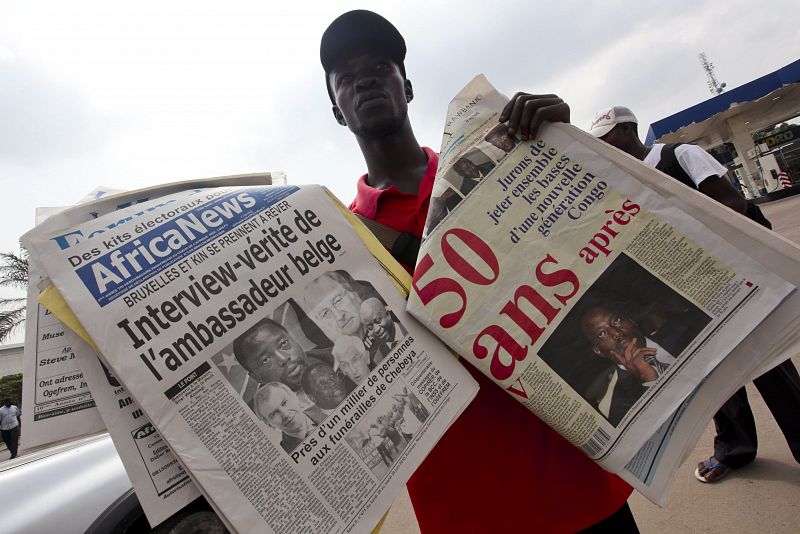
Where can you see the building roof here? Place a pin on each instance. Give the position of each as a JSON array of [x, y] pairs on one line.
[[786, 79], [11, 347]]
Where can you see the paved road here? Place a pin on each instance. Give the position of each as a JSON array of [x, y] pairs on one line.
[[762, 497]]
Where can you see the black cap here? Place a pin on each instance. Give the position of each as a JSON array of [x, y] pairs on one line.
[[355, 30]]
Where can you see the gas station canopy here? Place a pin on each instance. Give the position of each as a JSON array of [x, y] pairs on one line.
[[753, 106], [733, 117]]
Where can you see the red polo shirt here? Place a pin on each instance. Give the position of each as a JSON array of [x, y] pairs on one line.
[[498, 468]]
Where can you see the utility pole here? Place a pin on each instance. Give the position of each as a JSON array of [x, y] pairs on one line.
[[713, 85]]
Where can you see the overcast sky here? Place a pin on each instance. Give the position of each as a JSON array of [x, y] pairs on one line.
[[131, 94]]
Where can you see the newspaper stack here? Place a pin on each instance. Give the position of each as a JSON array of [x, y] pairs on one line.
[[260, 349], [618, 305]]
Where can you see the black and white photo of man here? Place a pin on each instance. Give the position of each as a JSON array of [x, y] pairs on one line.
[[270, 354], [278, 406], [624, 334], [336, 303]]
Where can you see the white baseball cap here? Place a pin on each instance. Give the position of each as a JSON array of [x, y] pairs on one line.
[[605, 120]]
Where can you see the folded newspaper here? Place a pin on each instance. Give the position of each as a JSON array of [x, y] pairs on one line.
[[618, 305], [267, 346]]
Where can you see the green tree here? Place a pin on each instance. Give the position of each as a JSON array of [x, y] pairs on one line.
[[13, 274], [11, 387]]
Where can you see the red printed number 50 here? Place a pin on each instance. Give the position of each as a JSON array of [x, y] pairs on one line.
[[462, 267]]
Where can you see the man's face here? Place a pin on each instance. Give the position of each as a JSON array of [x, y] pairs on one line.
[[467, 169], [338, 312], [610, 331], [272, 355], [377, 320], [622, 136], [326, 387], [371, 95], [282, 410], [354, 362]]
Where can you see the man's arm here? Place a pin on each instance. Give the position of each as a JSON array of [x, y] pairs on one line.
[[721, 190], [709, 175]]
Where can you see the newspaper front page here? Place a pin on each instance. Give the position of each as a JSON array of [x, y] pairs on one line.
[[162, 486], [60, 404], [57, 400], [585, 293], [268, 348]]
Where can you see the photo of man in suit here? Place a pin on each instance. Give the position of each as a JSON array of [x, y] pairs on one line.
[[440, 206], [278, 406], [639, 360], [497, 143], [622, 336], [270, 354], [472, 167]]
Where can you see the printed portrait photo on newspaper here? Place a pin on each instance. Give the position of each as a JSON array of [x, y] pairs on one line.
[[467, 172], [360, 327], [282, 367], [622, 337], [294, 368]]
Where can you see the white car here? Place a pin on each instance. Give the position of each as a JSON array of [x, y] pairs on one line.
[[80, 486]]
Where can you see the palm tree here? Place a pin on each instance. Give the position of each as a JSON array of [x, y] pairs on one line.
[[13, 274]]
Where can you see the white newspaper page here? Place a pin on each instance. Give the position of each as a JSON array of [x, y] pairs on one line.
[[59, 404], [269, 348], [573, 284], [162, 485], [57, 400], [655, 464]]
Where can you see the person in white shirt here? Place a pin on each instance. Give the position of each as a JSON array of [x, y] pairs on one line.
[[9, 426], [410, 423]]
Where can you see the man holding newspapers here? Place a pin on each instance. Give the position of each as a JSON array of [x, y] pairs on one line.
[[204, 295], [498, 467]]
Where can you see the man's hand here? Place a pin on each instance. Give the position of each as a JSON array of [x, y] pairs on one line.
[[368, 341], [373, 341], [526, 113], [633, 359]]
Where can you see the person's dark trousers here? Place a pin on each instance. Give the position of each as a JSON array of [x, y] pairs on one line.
[[736, 442], [620, 522], [11, 439]]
